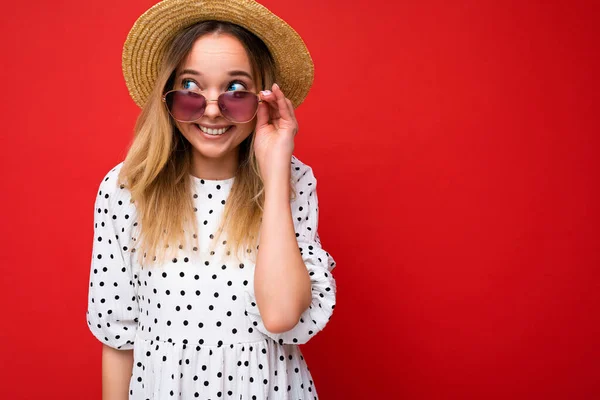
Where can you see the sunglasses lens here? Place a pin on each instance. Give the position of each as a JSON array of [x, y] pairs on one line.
[[185, 106], [238, 106]]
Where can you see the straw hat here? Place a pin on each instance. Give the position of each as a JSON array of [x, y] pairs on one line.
[[154, 29]]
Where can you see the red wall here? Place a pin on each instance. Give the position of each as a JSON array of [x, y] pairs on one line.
[[456, 147]]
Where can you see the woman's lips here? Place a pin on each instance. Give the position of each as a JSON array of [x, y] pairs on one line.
[[213, 135]]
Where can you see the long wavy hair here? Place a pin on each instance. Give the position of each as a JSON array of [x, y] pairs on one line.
[[156, 169]]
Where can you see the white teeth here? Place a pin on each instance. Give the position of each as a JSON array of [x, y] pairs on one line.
[[213, 131]]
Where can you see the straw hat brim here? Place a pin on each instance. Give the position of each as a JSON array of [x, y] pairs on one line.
[[150, 35]]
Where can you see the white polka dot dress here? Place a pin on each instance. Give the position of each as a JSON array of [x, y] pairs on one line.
[[193, 323]]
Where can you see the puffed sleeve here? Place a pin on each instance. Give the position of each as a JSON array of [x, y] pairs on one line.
[[305, 211], [112, 311]]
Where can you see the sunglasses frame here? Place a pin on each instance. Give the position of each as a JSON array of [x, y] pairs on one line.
[[164, 100]]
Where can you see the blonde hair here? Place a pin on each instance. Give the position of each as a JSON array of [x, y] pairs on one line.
[[156, 169]]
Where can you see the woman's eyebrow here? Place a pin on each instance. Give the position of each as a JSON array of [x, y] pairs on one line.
[[240, 73], [230, 73]]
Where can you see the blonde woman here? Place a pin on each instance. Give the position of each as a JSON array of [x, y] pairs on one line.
[[207, 269]]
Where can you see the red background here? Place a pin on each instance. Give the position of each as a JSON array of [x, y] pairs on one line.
[[456, 147]]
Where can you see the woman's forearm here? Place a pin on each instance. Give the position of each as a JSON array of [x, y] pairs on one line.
[[281, 282], [116, 373]]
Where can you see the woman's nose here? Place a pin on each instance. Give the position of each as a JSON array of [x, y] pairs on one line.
[[212, 108]]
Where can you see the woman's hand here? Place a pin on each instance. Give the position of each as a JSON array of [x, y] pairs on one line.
[[276, 127]]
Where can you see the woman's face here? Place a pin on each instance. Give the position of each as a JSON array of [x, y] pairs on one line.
[[216, 63]]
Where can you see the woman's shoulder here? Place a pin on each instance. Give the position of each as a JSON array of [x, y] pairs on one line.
[[113, 192], [110, 181], [302, 172], [305, 183]]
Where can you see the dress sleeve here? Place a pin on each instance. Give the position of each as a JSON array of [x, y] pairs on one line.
[[112, 312], [305, 211]]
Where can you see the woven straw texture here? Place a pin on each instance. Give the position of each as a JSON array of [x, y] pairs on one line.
[[153, 31]]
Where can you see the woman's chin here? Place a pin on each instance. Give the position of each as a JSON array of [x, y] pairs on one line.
[[211, 145], [211, 148]]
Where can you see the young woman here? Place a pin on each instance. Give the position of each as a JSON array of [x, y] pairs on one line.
[[207, 269]]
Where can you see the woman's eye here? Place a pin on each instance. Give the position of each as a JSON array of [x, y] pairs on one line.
[[236, 86], [187, 84]]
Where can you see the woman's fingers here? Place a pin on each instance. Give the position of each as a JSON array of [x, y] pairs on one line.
[[262, 116], [270, 100], [291, 110], [282, 105], [279, 107]]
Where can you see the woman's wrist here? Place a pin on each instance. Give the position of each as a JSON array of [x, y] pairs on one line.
[[277, 186]]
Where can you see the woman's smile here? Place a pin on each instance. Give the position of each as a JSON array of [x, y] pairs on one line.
[[212, 134], [214, 131]]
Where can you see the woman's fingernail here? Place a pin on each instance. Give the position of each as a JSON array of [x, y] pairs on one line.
[[265, 92], [276, 86]]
